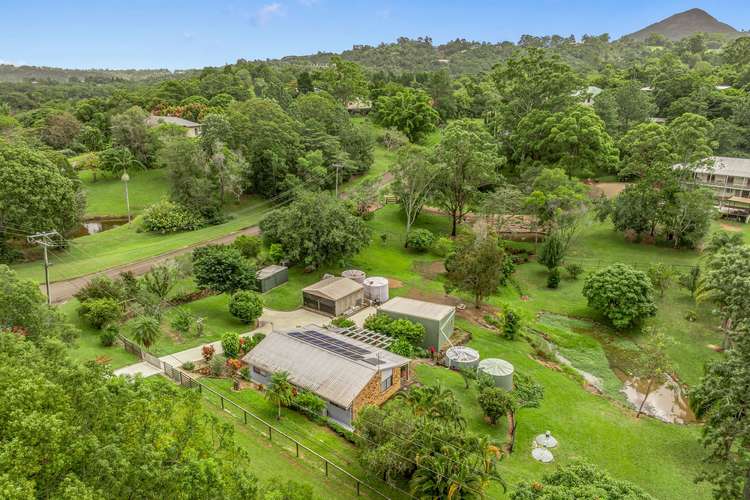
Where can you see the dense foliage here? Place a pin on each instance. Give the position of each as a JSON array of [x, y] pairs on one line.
[[622, 294], [223, 269]]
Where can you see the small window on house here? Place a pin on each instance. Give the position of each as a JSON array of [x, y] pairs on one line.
[[260, 372], [405, 372], [386, 383]]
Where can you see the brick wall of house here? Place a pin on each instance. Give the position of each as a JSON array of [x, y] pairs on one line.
[[371, 394]]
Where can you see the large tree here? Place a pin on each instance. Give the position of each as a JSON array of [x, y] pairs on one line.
[[556, 199], [315, 229], [726, 283], [644, 148], [129, 130], [722, 400], [60, 130], [35, 194], [478, 265], [620, 293], [344, 80], [414, 178], [468, 160], [72, 430], [409, 110]]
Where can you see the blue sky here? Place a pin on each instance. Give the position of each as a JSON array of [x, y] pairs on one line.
[[188, 33]]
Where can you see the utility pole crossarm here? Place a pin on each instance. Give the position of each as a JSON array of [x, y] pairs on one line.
[[45, 240]]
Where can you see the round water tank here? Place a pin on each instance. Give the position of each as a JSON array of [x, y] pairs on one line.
[[500, 370], [354, 274], [461, 357], [376, 289]]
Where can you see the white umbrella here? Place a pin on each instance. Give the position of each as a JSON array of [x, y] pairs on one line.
[[546, 440], [542, 455]]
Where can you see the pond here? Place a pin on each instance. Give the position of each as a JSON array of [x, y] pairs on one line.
[[93, 226]]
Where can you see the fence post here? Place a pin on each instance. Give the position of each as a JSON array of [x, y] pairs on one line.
[[358, 483], [180, 373], [222, 401], [326, 462], [269, 433], [297, 448], [244, 414]]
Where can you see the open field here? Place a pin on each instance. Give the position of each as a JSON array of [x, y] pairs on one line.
[[105, 197]]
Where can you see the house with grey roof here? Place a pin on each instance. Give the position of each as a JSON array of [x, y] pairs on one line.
[[192, 129], [349, 369], [729, 178]]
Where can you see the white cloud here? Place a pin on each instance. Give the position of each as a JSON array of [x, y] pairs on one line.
[[267, 12]]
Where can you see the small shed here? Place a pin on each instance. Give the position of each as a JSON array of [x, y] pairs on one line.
[[500, 370], [333, 296], [437, 318], [271, 276]]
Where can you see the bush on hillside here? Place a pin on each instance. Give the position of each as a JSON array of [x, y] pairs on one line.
[[420, 239], [622, 294], [169, 217], [99, 312], [249, 246], [246, 306]]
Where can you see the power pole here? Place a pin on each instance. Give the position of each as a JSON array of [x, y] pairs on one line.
[[45, 241]]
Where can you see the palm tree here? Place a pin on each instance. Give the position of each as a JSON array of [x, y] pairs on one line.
[[280, 391], [435, 401], [146, 330]]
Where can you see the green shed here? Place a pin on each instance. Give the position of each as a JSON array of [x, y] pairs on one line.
[[436, 318], [271, 276]]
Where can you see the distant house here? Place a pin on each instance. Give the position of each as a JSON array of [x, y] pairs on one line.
[[348, 374], [333, 296], [729, 178], [359, 106], [589, 94], [192, 129]]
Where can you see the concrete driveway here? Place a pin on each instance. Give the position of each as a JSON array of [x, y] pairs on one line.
[[269, 321]]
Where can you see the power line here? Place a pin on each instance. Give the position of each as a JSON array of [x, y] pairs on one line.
[[45, 241]]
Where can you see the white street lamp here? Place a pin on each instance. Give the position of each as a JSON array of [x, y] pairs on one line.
[[125, 178]]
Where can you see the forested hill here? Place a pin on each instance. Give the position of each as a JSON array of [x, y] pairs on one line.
[[10, 73], [685, 24]]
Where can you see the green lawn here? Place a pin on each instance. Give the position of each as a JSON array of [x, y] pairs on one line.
[[317, 437], [88, 347], [127, 243], [105, 197], [268, 461], [661, 458]]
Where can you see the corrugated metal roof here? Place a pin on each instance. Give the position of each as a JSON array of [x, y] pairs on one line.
[[725, 165], [417, 308], [269, 271], [332, 376], [334, 288], [174, 120]]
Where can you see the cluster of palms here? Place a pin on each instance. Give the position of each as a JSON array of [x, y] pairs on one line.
[[421, 437]]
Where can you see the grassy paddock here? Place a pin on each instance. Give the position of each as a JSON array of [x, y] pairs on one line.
[[105, 197]]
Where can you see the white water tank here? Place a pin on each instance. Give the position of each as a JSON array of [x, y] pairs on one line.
[[354, 275], [461, 358], [376, 289], [500, 370]]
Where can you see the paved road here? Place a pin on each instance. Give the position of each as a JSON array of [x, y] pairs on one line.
[[62, 291]]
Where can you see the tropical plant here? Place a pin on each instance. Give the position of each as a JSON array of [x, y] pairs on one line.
[[182, 320], [145, 330], [230, 342], [495, 403], [310, 402], [280, 391]]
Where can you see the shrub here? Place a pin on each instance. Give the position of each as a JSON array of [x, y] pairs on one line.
[[691, 315], [255, 340], [276, 253], [408, 330], [223, 269], [246, 306], [188, 365], [207, 352], [621, 293], [553, 279], [495, 403], [169, 217], [342, 322], [230, 342], [310, 402], [100, 287], [99, 312], [420, 239], [402, 347], [200, 327], [249, 246], [216, 365], [511, 323], [661, 277], [552, 251], [378, 322], [442, 247], [108, 335], [574, 270], [182, 320], [393, 139], [245, 373]]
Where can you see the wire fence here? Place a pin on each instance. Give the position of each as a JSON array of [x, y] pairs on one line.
[[275, 435]]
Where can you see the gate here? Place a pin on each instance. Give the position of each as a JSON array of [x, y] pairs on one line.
[[151, 359]]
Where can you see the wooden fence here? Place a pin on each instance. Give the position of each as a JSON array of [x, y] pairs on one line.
[[274, 434]]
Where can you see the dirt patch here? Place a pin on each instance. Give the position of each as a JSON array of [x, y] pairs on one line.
[[608, 189], [731, 229], [715, 348], [430, 270], [434, 297], [475, 315], [394, 283]]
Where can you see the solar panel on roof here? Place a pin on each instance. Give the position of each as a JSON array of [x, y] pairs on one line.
[[330, 344]]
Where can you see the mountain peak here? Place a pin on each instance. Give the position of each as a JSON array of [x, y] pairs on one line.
[[684, 24]]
